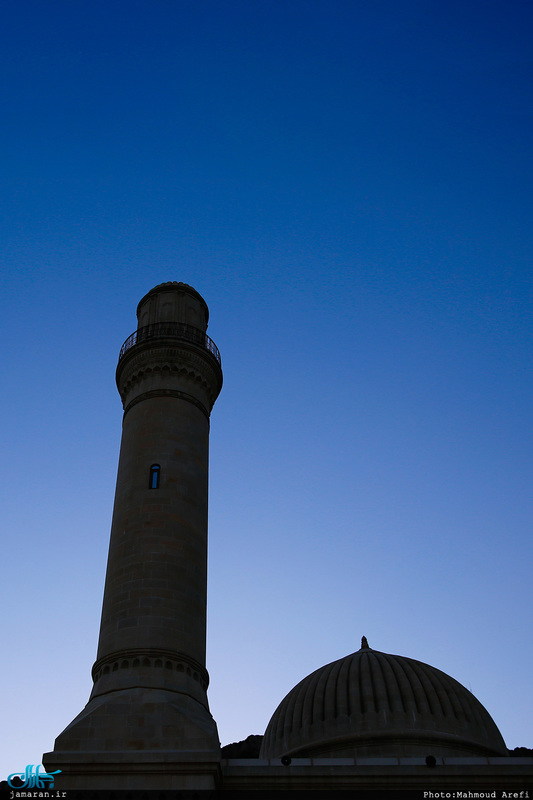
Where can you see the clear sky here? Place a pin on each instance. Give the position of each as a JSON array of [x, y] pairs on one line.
[[349, 186]]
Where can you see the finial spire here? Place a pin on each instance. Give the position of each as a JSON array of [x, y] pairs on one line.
[[364, 644]]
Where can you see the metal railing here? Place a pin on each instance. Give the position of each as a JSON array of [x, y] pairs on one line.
[[172, 330]]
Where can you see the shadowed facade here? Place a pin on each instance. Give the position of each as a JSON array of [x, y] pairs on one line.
[[367, 721]]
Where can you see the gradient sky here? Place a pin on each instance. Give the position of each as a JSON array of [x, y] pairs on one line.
[[349, 186]]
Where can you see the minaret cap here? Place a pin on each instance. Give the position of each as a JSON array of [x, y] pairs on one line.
[[173, 302]]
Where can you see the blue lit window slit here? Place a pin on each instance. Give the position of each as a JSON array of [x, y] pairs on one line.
[[155, 469]]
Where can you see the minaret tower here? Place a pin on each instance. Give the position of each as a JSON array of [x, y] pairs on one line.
[[147, 724]]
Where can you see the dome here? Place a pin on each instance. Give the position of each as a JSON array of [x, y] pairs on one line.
[[375, 704]]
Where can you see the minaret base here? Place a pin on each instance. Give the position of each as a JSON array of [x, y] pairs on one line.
[[136, 770], [138, 738]]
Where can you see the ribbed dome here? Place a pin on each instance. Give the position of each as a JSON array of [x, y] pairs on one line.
[[374, 704]]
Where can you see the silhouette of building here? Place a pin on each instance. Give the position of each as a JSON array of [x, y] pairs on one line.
[[367, 721]]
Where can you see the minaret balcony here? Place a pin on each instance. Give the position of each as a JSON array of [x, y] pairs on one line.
[[171, 330]]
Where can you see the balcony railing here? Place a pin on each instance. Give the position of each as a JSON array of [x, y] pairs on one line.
[[171, 330]]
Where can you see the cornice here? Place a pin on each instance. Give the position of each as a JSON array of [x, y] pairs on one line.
[[148, 657], [174, 365]]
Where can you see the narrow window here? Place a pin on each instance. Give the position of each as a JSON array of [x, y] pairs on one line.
[[154, 476]]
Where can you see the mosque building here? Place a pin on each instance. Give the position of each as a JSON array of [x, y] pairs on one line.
[[367, 721]]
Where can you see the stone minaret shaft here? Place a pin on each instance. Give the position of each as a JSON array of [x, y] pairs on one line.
[[150, 678], [154, 606]]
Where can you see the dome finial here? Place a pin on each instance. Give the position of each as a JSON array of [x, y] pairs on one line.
[[364, 644]]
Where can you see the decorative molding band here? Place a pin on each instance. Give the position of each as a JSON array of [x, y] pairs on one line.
[[174, 363], [167, 393], [147, 657]]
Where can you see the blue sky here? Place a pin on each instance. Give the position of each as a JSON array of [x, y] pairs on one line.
[[348, 185]]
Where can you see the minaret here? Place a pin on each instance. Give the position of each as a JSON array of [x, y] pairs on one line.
[[147, 724]]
